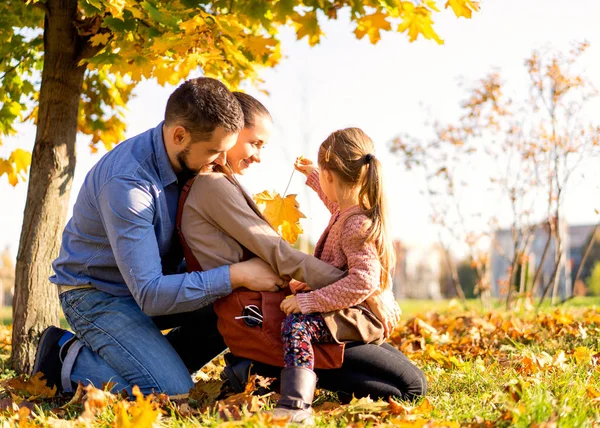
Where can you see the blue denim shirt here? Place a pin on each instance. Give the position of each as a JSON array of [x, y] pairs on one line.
[[122, 238]]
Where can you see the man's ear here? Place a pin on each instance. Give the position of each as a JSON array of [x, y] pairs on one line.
[[180, 136]]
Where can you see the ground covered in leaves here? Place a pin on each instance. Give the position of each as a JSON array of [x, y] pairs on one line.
[[491, 369]]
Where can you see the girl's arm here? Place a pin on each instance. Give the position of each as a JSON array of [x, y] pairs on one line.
[[364, 272], [218, 223], [313, 182]]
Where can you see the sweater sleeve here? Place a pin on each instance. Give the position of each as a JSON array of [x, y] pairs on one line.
[[313, 182], [364, 270], [220, 202]]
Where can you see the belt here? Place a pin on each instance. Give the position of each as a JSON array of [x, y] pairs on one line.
[[64, 288]]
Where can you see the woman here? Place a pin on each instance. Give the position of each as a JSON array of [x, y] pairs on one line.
[[223, 230]]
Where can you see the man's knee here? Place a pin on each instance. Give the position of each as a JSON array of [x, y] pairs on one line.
[[175, 385]]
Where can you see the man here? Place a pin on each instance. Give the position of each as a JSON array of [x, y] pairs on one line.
[[117, 269]]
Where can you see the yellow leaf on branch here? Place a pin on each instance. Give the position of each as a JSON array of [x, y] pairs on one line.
[[282, 213], [463, 7], [100, 39], [372, 25], [417, 20], [16, 166], [308, 25]]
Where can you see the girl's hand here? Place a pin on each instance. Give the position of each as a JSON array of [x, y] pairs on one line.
[[289, 305], [386, 309], [305, 166]]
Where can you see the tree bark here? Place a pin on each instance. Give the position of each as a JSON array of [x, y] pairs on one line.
[[52, 168]]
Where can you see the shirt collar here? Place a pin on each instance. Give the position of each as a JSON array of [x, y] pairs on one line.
[[165, 170]]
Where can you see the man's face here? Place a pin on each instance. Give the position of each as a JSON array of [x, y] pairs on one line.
[[198, 153]]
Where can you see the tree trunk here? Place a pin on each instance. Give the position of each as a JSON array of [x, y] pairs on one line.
[[52, 167]]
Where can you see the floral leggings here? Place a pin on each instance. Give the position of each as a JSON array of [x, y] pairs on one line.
[[298, 332]]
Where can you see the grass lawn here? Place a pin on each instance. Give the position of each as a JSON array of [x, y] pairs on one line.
[[495, 369]]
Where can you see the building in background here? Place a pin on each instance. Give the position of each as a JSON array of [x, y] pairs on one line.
[[417, 272], [575, 239]]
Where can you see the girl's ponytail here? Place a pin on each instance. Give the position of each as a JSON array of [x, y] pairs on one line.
[[373, 202]]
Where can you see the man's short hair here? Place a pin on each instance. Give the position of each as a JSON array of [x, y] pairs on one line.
[[203, 104]]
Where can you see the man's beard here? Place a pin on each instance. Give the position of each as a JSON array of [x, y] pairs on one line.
[[183, 165]]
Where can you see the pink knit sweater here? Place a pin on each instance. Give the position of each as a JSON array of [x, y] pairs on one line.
[[343, 245]]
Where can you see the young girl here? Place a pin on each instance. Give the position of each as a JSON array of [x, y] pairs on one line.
[[349, 181]]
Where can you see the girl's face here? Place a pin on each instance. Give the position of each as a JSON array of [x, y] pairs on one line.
[[326, 180], [249, 144]]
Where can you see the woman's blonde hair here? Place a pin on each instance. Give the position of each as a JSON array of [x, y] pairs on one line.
[[349, 153]]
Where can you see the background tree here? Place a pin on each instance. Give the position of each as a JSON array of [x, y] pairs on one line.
[[525, 151], [71, 66]]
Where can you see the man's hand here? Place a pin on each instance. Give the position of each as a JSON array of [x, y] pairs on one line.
[[386, 309], [305, 166], [289, 305], [256, 275]]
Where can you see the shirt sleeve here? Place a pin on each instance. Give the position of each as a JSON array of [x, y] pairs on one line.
[[127, 208], [232, 214], [313, 182], [363, 278]]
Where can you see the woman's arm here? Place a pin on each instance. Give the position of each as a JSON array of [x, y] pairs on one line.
[[216, 201], [364, 270]]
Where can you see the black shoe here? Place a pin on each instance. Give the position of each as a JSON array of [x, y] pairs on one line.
[[236, 372], [50, 355]]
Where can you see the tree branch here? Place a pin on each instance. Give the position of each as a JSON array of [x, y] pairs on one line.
[[42, 5]]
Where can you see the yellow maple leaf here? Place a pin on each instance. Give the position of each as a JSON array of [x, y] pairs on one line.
[[100, 39], [115, 7], [15, 167], [308, 25], [417, 20], [282, 213], [259, 46], [463, 7], [372, 25]]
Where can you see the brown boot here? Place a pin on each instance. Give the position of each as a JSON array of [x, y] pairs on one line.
[[297, 392]]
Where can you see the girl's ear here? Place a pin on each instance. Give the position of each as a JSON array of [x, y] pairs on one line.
[[328, 175]]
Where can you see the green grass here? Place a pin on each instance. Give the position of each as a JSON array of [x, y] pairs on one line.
[[412, 307], [6, 317], [482, 375]]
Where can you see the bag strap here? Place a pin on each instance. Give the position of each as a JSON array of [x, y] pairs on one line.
[[190, 260]]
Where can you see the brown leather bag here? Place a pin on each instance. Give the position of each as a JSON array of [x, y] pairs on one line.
[[260, 343]]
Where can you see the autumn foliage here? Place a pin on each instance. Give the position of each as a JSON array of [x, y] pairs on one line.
[[493, 369], [129, 41]]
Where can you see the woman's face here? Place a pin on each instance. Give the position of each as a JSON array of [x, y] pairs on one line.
[[249, 144]]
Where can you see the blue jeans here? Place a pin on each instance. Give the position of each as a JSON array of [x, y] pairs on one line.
[[121, 344]]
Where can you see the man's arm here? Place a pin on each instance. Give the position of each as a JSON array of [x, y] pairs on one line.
[[127, 209]]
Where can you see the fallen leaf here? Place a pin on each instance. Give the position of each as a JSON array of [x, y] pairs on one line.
[[31, 387]]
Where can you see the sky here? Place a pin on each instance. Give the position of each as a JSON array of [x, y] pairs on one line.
[[387, 89]]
